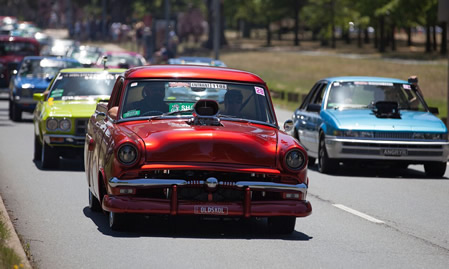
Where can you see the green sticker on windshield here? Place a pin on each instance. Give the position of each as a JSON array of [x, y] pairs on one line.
[[180, 106], [131, 113], [56, 93]]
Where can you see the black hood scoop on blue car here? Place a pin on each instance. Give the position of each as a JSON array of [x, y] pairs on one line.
[[386, 109]]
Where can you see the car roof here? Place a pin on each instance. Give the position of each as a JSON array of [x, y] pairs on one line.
[[55, 58], [191, 72], [365, 78], [92, 70]]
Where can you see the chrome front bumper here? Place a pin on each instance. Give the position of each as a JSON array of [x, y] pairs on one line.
[[414, 151], [72, 140], [253, 185]]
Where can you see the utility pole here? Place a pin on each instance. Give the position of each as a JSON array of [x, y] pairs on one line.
[[217, 29], [443, 16], [167, 20], [103, 19]]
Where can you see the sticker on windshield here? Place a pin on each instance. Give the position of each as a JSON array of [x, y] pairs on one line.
[[336, 84], [57, 93], [406, 86], [131, 113], [208, 85], [134, 84], [380, 83], [178, 84], [259, 90], [180, 106]]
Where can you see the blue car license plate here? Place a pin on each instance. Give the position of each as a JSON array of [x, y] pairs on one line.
[[394, 152]]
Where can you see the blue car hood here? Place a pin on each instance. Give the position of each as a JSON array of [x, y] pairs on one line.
[[37, 83], [364, 119]]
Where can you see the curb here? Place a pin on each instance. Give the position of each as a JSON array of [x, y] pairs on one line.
[[13, 240]]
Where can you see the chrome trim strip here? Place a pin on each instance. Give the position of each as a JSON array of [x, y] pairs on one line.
[[149, 182]]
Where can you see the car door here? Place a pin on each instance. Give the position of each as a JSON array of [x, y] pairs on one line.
[[309, 120]]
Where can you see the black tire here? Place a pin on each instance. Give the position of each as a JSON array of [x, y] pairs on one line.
[[326, 165], [37, 149], [49, 158], [16, 112], [281, 225], [10, 110], [116, 221], [311, 161], [94, 204], [435, 169]]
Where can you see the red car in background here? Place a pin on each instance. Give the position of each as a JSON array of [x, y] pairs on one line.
[[158, 147], [121, 59], [12, 51]]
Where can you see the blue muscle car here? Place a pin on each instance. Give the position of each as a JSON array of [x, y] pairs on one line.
[[370, 120]]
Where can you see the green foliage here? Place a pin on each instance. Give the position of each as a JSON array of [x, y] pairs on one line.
[[8, 258]]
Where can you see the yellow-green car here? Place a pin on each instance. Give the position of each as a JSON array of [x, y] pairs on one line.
[[61, 115]]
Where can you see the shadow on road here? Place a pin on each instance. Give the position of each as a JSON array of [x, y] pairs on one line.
[[382, 171], [66, 165], [191, 227]]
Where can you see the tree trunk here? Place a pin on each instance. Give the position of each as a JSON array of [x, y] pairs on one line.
[[443, 38], [333, 41], [366, 36], [296, 16], [210, 40], [428, 41], [246, 32], [268, 34], [382, 35], [434, 37], [393, 41], [409, 36], [359, 37]]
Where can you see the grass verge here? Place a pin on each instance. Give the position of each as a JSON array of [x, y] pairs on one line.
[[8, 258]]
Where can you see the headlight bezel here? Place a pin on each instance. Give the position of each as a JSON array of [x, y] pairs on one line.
[[124, 147], [54, 123], [65, 121], [289, 158]]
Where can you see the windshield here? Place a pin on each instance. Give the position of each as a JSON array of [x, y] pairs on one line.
[[17, 48], [116, 60], [82, 85], [42, 68], [236, 101], [84, 56], [362, 94]]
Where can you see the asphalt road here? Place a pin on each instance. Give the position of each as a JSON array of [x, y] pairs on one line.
[[404, 226]]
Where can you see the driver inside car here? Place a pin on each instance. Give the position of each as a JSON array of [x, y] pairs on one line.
[[233, 103], [152, 102]]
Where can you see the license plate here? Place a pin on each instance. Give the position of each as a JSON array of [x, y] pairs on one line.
[[394, 152], [211, 210]]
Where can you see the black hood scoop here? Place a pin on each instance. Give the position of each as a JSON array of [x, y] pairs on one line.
[[205, 113], [386, 109]]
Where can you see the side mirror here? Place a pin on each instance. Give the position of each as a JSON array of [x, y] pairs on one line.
[[49, 78], [100, 116], [288, 125], [39, 97], [434, 110], [314, 107]]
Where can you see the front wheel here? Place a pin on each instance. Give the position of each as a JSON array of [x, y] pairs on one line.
[[282, 225], [435, 169], [116, 221], [94, 204], [49, 158], [37, 148], [326, 165]]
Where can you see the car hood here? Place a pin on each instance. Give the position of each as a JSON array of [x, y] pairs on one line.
[[72, 108], [35, 83], [364, 119], [232, 143]]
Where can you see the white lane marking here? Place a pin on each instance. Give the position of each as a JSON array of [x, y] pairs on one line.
[[357, 213]]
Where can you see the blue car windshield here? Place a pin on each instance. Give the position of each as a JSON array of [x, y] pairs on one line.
[[364, 94], [42, 68]]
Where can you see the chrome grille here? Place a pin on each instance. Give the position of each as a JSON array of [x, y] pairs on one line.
[[81, 127]]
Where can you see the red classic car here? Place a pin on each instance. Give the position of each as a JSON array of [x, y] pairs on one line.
[[153, 149]]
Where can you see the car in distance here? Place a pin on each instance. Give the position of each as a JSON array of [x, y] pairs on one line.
[[121, 59], [194, 60], [61, 114], [370, 120], [149, 152], [34, 76], [12, 51]]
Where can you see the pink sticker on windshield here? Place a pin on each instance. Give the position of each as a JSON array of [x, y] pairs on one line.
[[406, 86], [259, 91]]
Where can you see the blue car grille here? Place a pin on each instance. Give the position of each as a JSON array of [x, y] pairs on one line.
[[81, 127], [393, 135]]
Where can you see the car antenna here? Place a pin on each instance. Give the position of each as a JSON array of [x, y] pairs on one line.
[[105, 59]]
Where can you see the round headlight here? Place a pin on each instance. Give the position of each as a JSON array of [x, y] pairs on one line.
[[295, 159], [127, 154], [65, 125], [52, 124]]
